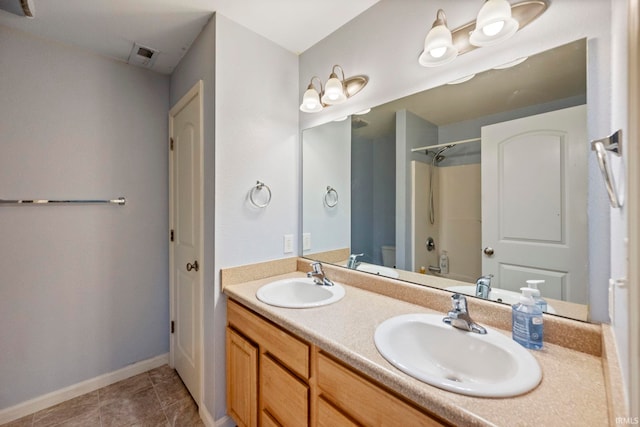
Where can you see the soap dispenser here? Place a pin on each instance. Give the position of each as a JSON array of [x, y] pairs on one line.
[[537, 298], [527, 327]]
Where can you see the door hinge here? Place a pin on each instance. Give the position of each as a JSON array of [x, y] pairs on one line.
[[171, 144], [171, 235], [173, 326]]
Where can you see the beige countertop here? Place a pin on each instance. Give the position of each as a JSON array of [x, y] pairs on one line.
[[572, 391]]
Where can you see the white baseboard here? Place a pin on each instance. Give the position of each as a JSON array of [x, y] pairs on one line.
[[46, 400], [225, 421], [208, 420]]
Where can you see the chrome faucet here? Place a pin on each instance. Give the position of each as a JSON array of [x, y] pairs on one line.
[[353, 262], [483, 286], [319, 278], [459, 317]]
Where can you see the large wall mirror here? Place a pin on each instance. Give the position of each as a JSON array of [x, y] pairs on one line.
[[483, 176]]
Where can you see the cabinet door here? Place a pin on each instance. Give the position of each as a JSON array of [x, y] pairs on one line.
[[242, 380], [283, 395]]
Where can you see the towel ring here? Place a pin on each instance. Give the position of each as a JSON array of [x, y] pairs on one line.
[[255, 190], [328, 197]]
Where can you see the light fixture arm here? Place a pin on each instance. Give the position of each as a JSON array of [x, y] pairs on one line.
[[312, 86], [333, 73], [441, 19]]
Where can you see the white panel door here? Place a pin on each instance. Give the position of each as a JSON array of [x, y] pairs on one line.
[[186, 223], [534, 203]]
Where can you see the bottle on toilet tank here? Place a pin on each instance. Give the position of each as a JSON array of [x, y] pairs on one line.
[[444, 262]]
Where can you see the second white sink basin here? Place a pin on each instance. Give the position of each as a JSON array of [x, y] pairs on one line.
[[496, 294], [379, 270], [489, 365], [299, 293]]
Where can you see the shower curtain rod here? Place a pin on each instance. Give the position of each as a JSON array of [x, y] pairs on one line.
[[431, 147]]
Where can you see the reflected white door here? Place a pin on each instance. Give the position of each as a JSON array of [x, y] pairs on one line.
[[534, 203], [186, 248]]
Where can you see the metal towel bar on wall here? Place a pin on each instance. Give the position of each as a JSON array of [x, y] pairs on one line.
[[613, 144], [119, 201]]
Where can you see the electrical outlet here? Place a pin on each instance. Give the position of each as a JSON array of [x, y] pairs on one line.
[[306, 241], [288, 243]]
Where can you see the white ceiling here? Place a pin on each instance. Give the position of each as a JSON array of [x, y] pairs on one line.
[[110, 27]]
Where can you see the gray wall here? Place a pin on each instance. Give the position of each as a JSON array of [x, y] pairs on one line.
[[256, 139], [83, 289]]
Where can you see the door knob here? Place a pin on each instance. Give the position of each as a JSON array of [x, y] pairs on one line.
[[193, 266], [488, 251]]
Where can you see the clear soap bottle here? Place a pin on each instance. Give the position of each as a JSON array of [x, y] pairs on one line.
[[537, 297], [527, 327]]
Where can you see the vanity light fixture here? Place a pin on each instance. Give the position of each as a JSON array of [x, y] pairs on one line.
[[496, 22], [334, 92], [438, 45], [363, 112]]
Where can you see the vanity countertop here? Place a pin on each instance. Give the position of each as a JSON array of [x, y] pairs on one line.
[[572, 391]]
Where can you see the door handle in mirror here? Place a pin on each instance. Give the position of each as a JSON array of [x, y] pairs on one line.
[[488, 251], [193, 266]]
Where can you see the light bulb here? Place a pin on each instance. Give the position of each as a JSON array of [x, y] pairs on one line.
[[438, 45], [311, 101], [334, 91], [494, 24], [438, 51], [493, 28]]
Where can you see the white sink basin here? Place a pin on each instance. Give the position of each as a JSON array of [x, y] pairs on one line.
[[489, 365], [496, 294], [299, 293], [378, 269]]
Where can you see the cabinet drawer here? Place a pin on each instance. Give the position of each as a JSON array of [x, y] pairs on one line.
[[283, 395], [363, 400], [289, 350], [329, 416]]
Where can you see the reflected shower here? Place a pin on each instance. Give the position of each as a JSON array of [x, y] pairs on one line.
[[437, 158]]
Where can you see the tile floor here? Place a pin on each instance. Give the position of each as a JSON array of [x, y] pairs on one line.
[[152, 399]]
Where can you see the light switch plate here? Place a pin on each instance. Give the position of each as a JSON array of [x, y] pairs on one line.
[[306, 241], [288, 243]]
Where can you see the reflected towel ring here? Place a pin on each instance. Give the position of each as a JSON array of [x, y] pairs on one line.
[[255, 190], [328, 196], [613, 144]]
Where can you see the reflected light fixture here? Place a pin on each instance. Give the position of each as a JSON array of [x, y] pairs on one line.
[[497, 20], [438, 45], [511, 63], [335, 91], [461, 80]]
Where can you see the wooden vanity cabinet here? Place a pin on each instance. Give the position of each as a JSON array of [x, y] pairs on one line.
[[280, 372], [276, 379]]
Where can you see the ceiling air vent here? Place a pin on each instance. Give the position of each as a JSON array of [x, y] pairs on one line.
[[142, 56]]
